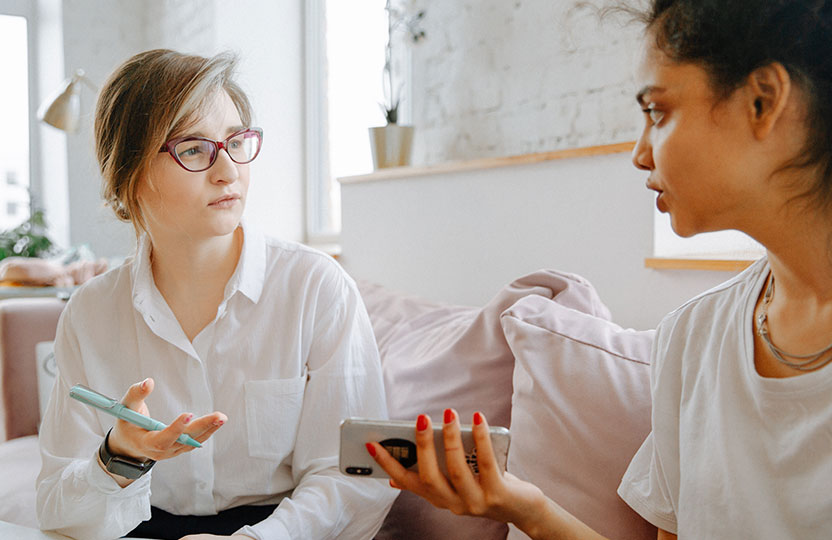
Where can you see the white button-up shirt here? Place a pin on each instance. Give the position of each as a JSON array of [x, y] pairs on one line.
[[289, 355]]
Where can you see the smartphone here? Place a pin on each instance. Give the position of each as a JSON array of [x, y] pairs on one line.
[[398, 437]]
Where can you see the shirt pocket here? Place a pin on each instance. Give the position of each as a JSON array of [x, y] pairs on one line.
[[273, 410]]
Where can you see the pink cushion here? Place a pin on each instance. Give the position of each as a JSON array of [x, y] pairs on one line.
[[24, 322], [581, 410], [436, 356], [19, 467]]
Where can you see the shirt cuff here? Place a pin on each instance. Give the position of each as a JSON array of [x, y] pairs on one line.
[[268, 529], [103, 482]]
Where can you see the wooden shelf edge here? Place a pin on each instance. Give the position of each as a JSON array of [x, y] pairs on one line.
[[716, 265], [487, 163]]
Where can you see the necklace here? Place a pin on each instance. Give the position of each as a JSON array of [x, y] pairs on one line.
[[797, 361]]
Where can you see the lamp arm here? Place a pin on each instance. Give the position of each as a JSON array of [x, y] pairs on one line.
[[81, 76]]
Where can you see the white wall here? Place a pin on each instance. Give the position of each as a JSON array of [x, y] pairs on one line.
[[458, 237], [268, 36], [498, 78], [96, 40], [100, 34]]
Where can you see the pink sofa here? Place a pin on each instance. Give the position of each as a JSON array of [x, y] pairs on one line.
[[24, 322], [541, 357]]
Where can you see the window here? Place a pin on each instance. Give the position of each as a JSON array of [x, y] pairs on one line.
[[345, 55], [14, 109], [715, 245]]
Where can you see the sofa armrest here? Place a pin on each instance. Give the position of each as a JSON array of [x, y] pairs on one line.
[[23, 323]]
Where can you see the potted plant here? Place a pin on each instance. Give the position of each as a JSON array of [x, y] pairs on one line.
[[27, 239], [391, 144]]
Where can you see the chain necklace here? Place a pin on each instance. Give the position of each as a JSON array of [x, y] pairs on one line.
[[797, 361]]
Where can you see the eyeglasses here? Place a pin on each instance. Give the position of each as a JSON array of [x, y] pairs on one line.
[[197, 154]]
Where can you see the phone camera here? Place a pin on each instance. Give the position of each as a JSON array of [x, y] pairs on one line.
[[363, 471], [402, 450]]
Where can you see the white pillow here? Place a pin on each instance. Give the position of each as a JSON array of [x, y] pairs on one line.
[[47, 372], [581, 409]]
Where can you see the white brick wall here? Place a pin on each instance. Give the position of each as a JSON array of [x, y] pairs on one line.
[[499, 77]]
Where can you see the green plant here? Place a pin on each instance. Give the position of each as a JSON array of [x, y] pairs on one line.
[[27, 239], [397, 19]]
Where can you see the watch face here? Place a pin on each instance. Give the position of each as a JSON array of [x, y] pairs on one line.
[[128, 468]]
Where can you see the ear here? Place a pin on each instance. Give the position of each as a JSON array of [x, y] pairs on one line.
[[769, 90]]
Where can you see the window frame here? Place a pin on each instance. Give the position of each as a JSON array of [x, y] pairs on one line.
[[315, 105], [48, 174], [317, 174], [25, 10]]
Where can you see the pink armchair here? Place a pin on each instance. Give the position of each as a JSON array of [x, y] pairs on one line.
[[24, 322]]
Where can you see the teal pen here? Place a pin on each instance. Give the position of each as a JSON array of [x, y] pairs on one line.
[[119, 410]]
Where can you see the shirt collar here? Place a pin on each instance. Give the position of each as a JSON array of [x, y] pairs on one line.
[[141, 272], [247, 278], [250, 273]]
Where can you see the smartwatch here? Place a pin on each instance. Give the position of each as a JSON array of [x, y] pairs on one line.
[[122, 465]]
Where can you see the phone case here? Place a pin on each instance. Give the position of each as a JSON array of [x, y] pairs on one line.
[[398, 437]]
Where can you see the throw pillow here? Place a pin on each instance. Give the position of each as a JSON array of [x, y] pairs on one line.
[[47, 373], [436, 356], [581, 410]]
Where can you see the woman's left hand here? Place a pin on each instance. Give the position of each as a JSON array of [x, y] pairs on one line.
[[493, 494]]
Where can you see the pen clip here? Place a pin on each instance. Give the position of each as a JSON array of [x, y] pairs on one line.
[[89, 396]]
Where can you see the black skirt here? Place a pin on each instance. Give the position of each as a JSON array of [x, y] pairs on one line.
[[164, 525]]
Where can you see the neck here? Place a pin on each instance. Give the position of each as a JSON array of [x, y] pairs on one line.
[[799, 316], [800, 254], [194, 267]]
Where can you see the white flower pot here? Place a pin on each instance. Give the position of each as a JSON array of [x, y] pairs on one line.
[[391, 145]]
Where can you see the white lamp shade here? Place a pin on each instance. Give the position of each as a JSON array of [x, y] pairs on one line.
[[63, 109]]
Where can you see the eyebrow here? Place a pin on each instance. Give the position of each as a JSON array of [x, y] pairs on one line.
[[229, 131], [648, 90]]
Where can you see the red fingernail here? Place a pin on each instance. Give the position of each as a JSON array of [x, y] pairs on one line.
[[477, 419], [449, 416], [219, 422], [188, 418], [371, 449], [422, 422]]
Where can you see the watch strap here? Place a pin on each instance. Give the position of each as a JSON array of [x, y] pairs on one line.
[[122, 465]]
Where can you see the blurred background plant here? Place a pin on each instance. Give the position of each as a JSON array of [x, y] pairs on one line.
[[28, 239], [399, 19]]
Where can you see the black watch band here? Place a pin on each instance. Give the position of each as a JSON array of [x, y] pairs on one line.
[[122, 465]]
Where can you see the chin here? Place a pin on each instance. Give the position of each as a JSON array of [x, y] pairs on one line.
[[685, 230]]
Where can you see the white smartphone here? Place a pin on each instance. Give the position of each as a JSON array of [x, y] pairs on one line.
[[398, 437]]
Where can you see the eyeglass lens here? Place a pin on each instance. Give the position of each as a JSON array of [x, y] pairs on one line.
[[196, 154]]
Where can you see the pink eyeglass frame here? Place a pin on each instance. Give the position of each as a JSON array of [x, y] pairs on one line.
[[218, 145]]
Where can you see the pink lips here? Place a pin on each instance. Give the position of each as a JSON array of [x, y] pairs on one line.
[[226, 201], [660, 204]]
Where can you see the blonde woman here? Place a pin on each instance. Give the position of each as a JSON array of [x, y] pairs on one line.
[[209, 315]]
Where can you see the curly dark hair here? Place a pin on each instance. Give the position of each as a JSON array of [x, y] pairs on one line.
[[732, 38]]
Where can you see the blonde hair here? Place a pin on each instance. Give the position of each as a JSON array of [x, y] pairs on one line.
[[145, 102]]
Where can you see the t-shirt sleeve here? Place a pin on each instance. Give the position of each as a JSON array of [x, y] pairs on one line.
[[650, 485], [644, 488]]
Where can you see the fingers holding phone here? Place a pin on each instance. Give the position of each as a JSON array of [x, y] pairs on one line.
[[461, 468], [446, 467]]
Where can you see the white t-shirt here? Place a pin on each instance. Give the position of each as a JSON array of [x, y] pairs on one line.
[[732, 454], [289, 355]]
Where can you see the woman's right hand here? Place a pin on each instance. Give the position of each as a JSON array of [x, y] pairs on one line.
[[493, 493], [133, 441]]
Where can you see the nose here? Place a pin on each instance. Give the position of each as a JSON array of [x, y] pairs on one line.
[[643, 153], [224, 170]]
